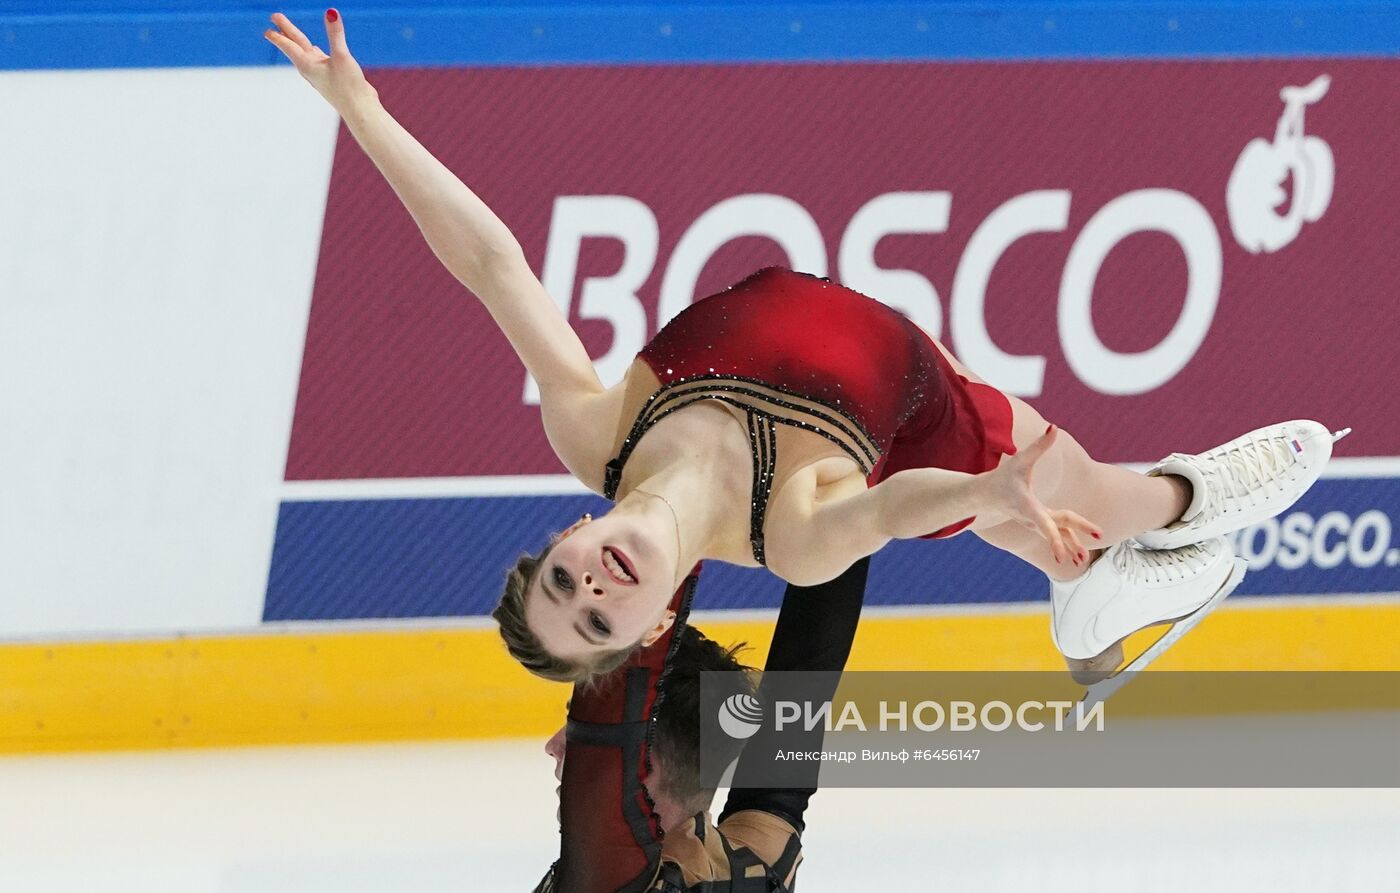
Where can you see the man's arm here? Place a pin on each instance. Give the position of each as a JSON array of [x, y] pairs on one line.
[[815, 629]]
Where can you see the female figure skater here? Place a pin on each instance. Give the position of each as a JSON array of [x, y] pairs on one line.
[[791, 422]]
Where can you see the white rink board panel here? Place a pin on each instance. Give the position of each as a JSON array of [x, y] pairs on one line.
[[158, 240]]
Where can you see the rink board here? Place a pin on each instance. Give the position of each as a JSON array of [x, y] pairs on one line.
[[375, 685], [446, 556], [252, 395], [264, 462]]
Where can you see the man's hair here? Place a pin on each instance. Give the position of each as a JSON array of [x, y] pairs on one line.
[[679, 725], [525, 646]]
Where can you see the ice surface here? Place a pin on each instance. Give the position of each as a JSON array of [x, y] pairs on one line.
[[480, 816]]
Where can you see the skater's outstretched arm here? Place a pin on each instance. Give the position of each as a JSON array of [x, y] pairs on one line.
[[470, 240], [815, 534]]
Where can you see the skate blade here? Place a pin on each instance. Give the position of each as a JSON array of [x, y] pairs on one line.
[[1092, 670], [1338, 435], [1103, 689]]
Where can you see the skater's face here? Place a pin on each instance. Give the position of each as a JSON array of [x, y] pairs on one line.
[[555, 748], [603, 586]]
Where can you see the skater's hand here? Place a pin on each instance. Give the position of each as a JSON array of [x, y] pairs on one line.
[[337, 76], [1017, 500]]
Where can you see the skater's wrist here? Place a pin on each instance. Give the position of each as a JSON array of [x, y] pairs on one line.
[[360, 111], [992, 494]]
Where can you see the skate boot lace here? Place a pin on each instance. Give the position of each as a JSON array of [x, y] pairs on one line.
[[1161, 566], [1245, 471]]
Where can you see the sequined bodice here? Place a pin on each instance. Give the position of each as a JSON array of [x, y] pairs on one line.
[[792, 349]]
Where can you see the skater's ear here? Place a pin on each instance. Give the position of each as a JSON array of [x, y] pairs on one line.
[[571, 528], [659, 630]]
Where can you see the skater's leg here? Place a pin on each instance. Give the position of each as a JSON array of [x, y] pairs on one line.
[[1180, 512], [1123, 503]]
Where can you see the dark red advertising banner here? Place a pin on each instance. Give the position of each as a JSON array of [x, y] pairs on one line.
[[1159, 255]]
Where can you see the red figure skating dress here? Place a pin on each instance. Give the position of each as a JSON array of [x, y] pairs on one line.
[[793, 349]]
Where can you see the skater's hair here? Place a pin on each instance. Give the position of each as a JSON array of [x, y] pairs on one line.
[[680, 725], [525, 646]]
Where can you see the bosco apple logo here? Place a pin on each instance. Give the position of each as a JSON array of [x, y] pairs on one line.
[[740, 716], [1255, 193]]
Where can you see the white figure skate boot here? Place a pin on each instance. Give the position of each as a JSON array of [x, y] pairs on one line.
[[1250, 479], [1128, 589]]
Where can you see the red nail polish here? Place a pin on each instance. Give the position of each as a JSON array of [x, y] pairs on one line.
[[1047, 428], [1096, 536], [332, 15]]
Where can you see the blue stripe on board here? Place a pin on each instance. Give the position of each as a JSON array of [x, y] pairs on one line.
[[76, 34], [448, 557]]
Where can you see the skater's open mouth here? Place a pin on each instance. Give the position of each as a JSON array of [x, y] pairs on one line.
[[619, 567]]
